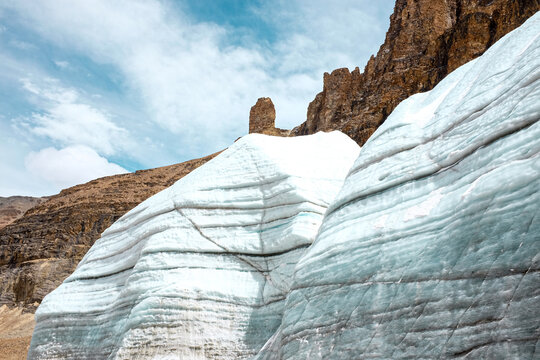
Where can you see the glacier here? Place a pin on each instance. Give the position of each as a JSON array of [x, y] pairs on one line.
[[431, 250], [200, 270], [424, 244]]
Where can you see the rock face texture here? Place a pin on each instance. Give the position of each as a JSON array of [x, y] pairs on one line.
[[262, 116], [432, 248], [201, 269], [15, 333], [39, 250], [262, 119], [426, 41], [14, 207]]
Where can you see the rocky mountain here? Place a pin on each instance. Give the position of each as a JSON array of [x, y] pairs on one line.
[[14, 207], [39, 250], [426, 41], [430, 249]]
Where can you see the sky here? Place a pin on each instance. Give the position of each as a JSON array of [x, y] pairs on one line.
[[93, 88]]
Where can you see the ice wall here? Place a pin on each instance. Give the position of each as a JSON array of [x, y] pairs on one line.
[[432, 248], [201, 269]]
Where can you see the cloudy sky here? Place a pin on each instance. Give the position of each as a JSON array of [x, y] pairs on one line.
[[91, 88]]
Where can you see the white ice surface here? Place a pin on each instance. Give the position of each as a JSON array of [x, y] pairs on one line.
[[201, 269]]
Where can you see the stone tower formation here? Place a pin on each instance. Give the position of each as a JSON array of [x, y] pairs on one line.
[[262, 118]]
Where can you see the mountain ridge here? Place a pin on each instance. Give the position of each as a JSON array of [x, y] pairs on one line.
[[14, 207], [40, 249], [427, 40]]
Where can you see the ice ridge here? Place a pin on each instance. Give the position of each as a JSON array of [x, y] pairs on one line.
[[201, 269]]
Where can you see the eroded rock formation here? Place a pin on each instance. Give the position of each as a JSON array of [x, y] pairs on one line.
[[262, 118], [427, 40], [39, 250]]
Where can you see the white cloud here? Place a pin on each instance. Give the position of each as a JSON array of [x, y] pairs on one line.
[[22, 45], [69, 166], [15, 179], [174, 88], [320, 35], [50, 90], [191, 78], [67, 120], [62, 64]]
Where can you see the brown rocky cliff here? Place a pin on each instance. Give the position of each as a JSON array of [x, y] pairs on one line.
[[13, 207], [426, 41], [39, 250], [262, 118]]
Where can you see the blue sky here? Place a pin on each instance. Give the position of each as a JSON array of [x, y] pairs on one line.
[[95, 88]]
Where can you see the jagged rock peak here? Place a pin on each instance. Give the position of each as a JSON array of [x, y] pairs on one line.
[[262, 118], [338, 80], [427, 40]]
